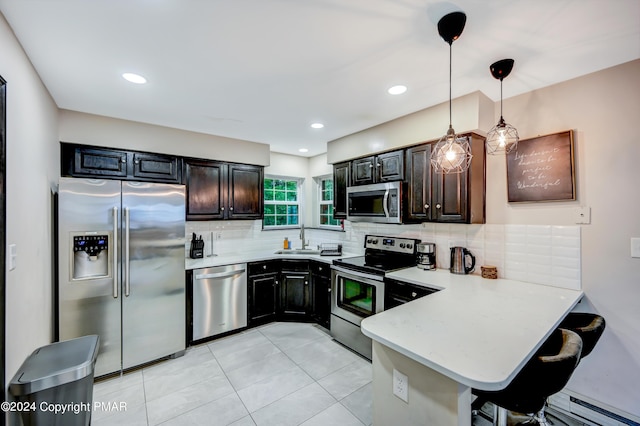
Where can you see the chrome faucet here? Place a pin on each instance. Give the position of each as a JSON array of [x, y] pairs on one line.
[[304, 243]]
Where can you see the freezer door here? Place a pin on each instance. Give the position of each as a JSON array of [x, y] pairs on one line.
[[153, 284], [88, 275]]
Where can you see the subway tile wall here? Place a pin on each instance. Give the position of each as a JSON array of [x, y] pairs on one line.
[[542, 254]]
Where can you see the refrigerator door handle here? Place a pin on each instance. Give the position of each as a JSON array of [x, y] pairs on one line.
[[114, 264], [126, 252]]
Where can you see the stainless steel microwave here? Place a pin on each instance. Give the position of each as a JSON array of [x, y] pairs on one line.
[[378, 202]]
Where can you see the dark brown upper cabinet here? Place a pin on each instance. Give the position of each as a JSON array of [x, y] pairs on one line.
[[217, 190], [386, 167], [341, 180], [96, 162], [438, 197]]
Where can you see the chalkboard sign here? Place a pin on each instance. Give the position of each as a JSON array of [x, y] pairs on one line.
[[542, 169]]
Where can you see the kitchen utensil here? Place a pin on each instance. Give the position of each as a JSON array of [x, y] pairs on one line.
[[426, 256], [459, 256]]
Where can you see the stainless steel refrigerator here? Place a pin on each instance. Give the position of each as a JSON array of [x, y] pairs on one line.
[[121, 250]]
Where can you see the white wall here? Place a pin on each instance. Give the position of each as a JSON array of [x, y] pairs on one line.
[[32, 170], [89, 129]]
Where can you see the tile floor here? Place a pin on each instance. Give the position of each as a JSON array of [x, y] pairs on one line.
[[278, 374]]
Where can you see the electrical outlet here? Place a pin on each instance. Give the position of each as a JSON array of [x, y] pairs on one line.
[[583, 215], [400, 385], [13, 256], [635, 247], [218, 235]]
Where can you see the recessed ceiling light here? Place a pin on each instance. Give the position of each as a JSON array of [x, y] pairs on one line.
[[134, 78], [317, 125], [303, 150], [397, 90]]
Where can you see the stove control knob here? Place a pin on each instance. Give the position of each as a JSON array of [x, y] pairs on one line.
[[401, 245], [409, 246], [374, 241], [369, 241]]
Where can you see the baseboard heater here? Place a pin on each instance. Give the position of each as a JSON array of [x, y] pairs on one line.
[[582, 410]]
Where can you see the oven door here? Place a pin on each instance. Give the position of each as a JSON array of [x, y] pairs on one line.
[[356, 295]]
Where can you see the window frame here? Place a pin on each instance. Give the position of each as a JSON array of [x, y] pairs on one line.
[[320, 202], [299, 202]]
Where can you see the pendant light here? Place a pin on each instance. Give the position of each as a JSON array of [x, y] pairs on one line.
[[503, 137], [452, 153]]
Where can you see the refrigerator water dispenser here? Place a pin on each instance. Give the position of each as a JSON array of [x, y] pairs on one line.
[[90, 258]]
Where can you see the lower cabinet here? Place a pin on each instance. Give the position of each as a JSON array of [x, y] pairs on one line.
[[321, 286], [295, 296], [263, 292], [289, 290]]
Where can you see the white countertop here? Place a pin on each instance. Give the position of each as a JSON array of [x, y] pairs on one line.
[[479, 332], [255, 256]]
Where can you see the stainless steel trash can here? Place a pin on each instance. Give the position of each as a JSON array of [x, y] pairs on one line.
[[54, 385]]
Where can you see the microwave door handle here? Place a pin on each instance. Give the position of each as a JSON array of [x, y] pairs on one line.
[[385, 203]]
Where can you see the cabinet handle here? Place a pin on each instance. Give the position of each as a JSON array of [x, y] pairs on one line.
[[377, 164], [426, 206], [222, 208], [319, 268], [137, 162], [124, 160], [329, 289], [264, 266], [414, 294], [371, 166], [231, 208], [438, 206]]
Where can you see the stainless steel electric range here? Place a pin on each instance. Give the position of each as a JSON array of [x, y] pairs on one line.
[[357, 286]]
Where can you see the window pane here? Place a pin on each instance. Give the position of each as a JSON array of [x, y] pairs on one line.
[[280, 196], [268, 184], [324, 209], [268, 195], [324, 220], [292, 220], [280, 184], [269, 209], [292, 209], [281, 220], [292, 185], [292, 196], [281, 209], [269, 220]]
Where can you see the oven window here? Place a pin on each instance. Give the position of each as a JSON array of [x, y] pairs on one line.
[[357, 297]]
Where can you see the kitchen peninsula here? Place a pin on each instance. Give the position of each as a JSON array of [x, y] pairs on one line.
[[473, 333]]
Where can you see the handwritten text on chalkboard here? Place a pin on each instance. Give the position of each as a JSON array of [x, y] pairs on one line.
[[541, 169]]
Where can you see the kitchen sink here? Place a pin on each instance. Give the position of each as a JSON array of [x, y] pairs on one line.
[[297, 251]]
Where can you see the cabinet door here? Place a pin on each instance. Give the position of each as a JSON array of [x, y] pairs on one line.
[[450, 197], [294, 294], [418, 177], [263, 298], [95, 162], [340, 183], [390, 166], [246, 186], [206, 189], [155, 167], [321, 299], [362, 171]]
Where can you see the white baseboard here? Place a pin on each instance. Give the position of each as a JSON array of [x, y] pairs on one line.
[[590, 412]]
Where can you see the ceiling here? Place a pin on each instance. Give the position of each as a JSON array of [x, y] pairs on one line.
[[264, 70]]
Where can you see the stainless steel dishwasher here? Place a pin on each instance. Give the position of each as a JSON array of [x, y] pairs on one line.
[[219, 300]]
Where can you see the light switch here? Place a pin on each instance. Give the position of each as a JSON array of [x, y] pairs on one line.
[[583, 215], [13, 255], [635, 247]]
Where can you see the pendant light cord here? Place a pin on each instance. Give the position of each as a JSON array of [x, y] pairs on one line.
[[450, 66], [500, 98]]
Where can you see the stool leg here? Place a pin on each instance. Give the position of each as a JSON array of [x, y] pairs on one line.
[[541, 418], [499, 416]]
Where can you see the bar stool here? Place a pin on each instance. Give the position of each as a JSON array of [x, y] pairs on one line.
[[588, 326], [546, 373]]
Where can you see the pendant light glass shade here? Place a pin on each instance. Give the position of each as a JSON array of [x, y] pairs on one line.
[[452, 153], [503, 137]]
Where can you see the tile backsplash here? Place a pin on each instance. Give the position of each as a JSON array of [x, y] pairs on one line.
[[542, 254]]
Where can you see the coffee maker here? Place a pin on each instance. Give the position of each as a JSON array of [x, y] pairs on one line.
[[426, 256]]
